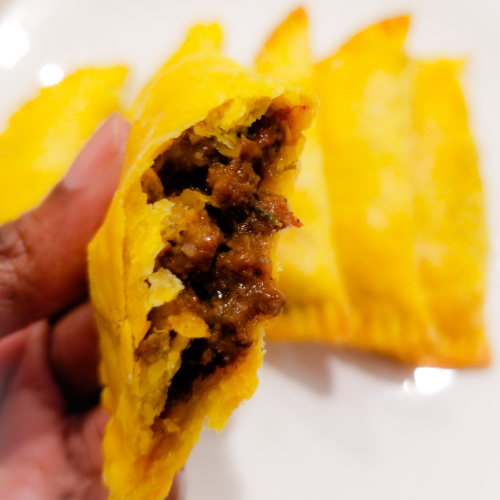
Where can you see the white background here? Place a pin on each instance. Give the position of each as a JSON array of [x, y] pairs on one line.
[[323, 424]]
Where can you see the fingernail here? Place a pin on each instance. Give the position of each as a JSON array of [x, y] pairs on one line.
[[105, 149]]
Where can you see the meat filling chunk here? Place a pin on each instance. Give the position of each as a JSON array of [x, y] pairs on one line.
[[220, 244]]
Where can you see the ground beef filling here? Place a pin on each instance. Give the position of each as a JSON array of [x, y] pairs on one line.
[[223, 254]]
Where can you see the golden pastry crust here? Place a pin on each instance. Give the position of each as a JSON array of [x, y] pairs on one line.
[[385, 236], [365, 90], [317, 304], [45, 135], [198, 94], [451, 232]]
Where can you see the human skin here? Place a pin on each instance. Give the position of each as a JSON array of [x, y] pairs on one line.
[[50, 424]]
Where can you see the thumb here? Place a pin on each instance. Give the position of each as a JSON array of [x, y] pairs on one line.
[[43, 253]]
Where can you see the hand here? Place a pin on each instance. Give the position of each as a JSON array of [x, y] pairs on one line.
[[50, 425]]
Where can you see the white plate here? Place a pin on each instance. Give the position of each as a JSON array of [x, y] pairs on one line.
[[323, 424]]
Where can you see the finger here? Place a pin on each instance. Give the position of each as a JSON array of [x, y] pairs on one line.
[[45, 454], [33, 404], [43, 253], [85, 441], [12, 349], [74, 356], [85, 451]]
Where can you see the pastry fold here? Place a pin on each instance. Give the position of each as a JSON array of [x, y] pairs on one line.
[[317, 306], [392, 254], [181, 272]]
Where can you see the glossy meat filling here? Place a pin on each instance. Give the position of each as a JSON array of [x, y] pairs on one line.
[[219, 242]]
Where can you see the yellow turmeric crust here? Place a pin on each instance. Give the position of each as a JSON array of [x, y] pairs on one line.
[[197, 88], [316, 300], [389, 259], [57, 123], [452, 240]]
